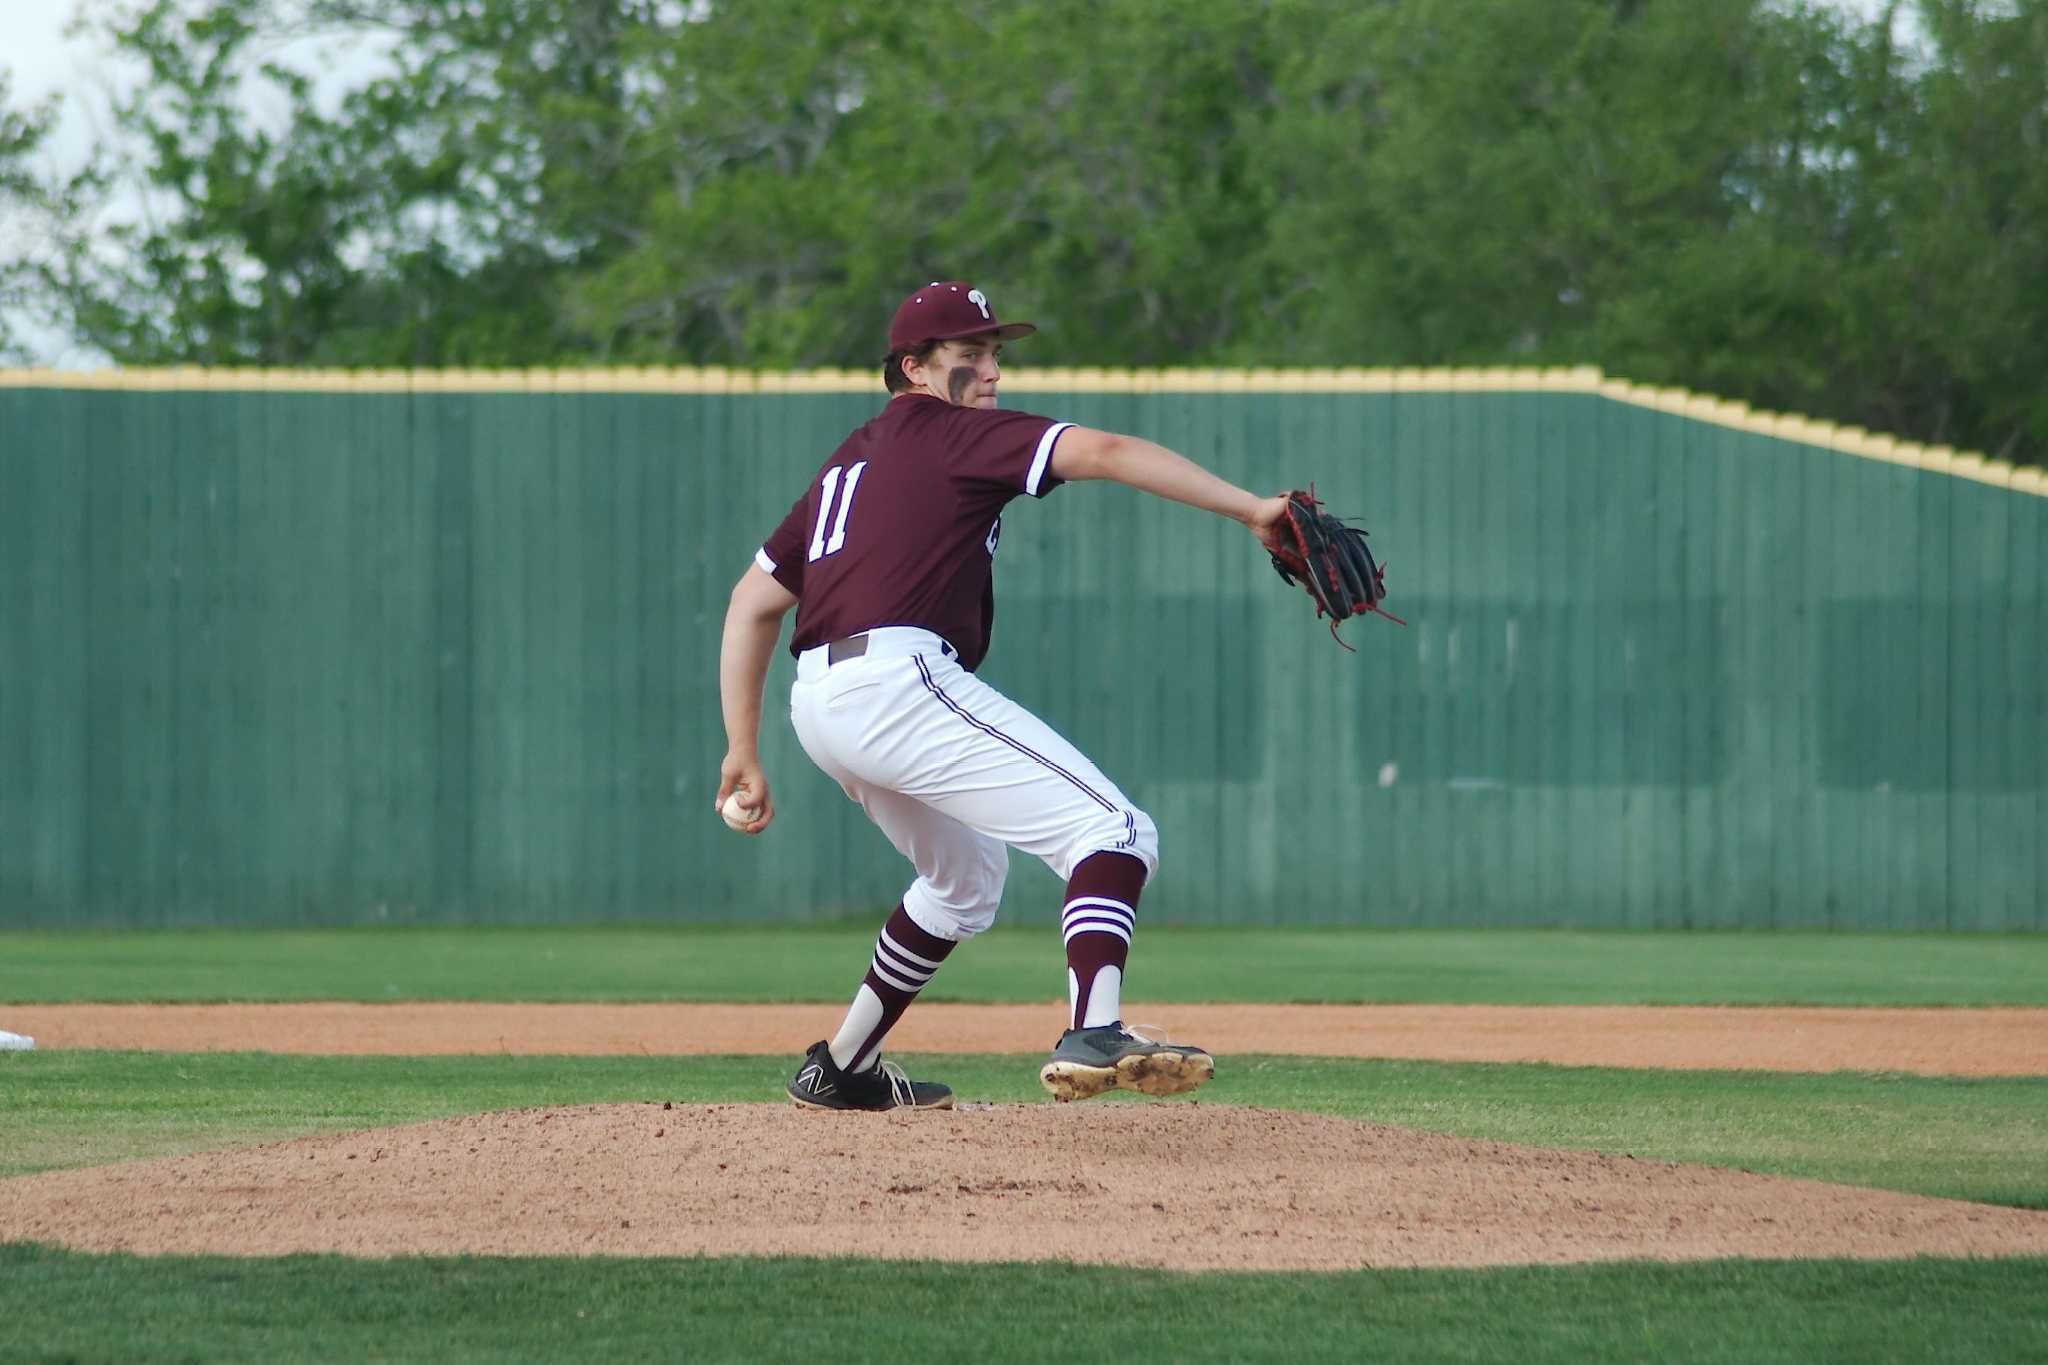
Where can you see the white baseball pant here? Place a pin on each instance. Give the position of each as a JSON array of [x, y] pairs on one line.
[[952, 770]]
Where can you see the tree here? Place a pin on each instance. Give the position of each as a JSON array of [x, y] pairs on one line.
[[27, 212], [1757, 198], [364, 236], [1955, 305]]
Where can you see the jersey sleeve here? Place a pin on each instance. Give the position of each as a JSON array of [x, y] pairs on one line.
[[1010, 449], [781, 556]]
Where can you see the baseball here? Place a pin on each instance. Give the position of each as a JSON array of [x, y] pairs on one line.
[[736, 814]]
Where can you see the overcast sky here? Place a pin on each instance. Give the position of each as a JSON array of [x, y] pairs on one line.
[[42, 61]]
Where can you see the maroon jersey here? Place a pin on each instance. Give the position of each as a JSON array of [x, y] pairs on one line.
[[899, 527]]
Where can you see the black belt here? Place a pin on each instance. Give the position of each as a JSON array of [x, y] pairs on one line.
[[853, 646]]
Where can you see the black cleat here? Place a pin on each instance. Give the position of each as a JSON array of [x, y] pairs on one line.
[[820, 1084]]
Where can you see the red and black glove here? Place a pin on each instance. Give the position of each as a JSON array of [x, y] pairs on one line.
[[1330, 560]]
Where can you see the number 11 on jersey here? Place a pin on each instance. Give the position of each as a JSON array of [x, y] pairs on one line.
[[820, 547]]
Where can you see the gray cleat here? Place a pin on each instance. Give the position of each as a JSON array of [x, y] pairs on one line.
[[1089, 1061]]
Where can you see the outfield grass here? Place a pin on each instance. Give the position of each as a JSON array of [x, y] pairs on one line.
[[821, 963], [1969, 1139], [319, 1308]]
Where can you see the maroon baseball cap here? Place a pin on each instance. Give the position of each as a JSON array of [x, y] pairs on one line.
[[946, 310]]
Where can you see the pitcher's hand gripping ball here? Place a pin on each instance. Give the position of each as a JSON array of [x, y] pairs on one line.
[[737, 814], [1329, 559]]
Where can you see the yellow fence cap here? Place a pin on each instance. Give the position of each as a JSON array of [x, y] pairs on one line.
[[719, 379]]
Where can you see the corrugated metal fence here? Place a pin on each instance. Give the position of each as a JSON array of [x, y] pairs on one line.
[[324, 649]]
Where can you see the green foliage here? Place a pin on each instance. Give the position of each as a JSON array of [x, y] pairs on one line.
[[25, 209], [351, 237], [1765, 200]]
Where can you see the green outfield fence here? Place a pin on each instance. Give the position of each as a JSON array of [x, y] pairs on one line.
[[297, 648]]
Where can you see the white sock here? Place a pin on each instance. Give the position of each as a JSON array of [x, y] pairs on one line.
[[861, 1017], [1105, 998]]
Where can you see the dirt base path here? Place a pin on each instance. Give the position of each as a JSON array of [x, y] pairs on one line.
[[1955, 1042], [1180, 1186]]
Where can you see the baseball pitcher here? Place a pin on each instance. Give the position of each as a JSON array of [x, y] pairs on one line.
[[886, 556]]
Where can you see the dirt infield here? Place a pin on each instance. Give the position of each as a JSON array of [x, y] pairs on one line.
[[1953, 1042], [1179, 1186]]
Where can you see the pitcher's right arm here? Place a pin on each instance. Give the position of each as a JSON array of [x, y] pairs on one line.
[[753, 623]]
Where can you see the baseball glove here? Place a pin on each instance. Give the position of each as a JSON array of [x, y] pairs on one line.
[[1330, 560]]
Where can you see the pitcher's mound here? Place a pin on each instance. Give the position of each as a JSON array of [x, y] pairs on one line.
[[1180, 1186]]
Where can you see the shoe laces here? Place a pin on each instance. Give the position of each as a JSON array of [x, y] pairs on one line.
[[900, 1089], [1149, 1033]]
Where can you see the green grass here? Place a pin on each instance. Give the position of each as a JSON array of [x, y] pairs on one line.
[[319, 1308], [820, 963], [1969, 1139], [1978, 1139]]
